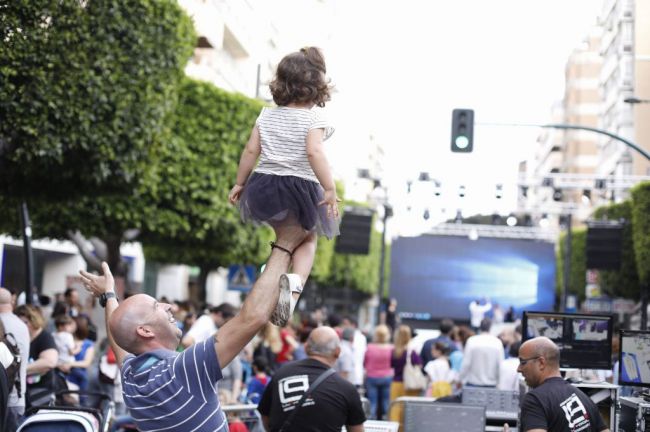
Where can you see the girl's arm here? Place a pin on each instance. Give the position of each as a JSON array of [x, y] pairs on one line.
[[318, 162], [246, 164]]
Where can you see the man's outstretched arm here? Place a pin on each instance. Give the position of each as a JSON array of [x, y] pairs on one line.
[[98, 285]]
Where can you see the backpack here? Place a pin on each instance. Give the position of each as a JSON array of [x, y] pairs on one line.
[[13, 370]]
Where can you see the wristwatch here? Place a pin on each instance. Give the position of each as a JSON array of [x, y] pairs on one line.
[[104, 298]]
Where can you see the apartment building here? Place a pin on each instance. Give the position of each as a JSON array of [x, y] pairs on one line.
[[625, 49], [609, 68], [237, 45]]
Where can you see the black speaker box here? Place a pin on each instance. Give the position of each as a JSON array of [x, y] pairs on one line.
[[356, 226], [604, 244]]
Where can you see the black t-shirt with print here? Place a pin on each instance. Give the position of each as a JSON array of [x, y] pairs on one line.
[[333, 404], [558, 406]]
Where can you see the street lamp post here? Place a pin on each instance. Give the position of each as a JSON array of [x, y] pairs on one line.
[[388, 212], [567, 261]]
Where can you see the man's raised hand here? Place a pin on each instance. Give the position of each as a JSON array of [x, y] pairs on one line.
[[98, 285]]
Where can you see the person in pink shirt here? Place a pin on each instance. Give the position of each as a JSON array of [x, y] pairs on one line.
[[379, 373]]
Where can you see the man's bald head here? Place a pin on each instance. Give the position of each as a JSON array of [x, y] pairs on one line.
[[141, 324], [323, 342], [543, 347], [5, 300], [124, 321]]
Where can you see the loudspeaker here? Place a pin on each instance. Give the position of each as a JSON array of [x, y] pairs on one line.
[[355, 232], [604, 244]]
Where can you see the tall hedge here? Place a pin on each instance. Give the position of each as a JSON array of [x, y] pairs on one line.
[[625, 281], [85, 89], [641, 229], [196, 224]]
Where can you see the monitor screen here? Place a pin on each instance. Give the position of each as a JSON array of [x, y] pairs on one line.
[[585, 341], [634, 356]]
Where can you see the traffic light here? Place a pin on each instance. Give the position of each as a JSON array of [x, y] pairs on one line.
[[462, 130]]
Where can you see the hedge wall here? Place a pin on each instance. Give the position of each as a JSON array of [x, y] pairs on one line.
[[641, 229], [85, 88], [578, 264]]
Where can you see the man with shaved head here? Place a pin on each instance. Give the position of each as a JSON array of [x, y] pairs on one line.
[[333, 404], [12, 324], [553, 404], [172, 391]]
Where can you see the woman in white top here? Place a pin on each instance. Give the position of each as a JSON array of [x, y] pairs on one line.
[[292, 184]]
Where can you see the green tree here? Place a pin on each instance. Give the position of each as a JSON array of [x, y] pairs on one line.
[[641, 229], [86, 87], [577, 262], [197, 224], [181, 212]]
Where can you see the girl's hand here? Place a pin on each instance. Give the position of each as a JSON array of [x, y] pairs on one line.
[[331, 201], [233, 196]]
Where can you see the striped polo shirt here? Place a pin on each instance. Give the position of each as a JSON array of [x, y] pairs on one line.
[[170, 391], [283, 134]]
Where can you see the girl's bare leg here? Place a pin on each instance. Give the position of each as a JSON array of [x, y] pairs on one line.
[[303, 259]]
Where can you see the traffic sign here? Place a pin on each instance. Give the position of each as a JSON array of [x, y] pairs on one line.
[[241, 277]]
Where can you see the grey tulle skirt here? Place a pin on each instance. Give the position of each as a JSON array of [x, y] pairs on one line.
[[276, 200]]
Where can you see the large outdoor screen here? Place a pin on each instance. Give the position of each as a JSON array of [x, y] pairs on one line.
[[438, 276]]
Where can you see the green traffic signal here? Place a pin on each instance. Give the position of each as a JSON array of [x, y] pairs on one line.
[[462, 130]]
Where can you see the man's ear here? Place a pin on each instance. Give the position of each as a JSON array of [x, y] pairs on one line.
[[144, 331], [337, 352]]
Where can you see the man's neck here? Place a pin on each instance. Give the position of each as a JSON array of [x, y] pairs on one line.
[[327, 360], [555, 374]]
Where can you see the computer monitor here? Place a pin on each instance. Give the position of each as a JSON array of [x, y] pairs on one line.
[[634, 356], [585, 340]]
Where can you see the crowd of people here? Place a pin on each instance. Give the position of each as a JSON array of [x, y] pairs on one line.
[[61, 353]]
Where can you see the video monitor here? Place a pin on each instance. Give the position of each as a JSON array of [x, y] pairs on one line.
[[634, 356], [585, 340]]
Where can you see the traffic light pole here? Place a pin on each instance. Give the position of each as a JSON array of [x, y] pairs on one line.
[[577, 127], [567, 262]]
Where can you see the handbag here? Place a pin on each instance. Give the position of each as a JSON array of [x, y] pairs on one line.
[[413, 377], [310, 390]]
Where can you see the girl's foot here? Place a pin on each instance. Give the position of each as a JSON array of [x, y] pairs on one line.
[[290, 289]]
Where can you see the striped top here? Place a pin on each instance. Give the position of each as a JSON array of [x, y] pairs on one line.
[[170, 391], [283, 134]]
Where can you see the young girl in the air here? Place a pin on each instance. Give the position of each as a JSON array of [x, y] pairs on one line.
[[292, 184]]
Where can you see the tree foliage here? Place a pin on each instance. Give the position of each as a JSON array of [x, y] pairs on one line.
[[86, 88], [196, 224], [641, 229], [577, 264]]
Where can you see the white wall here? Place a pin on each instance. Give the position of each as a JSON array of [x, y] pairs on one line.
[[57, 270], [172, 282], [217, 288]]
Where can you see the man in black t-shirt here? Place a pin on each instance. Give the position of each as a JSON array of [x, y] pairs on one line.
[[553, 404], [333, 404]]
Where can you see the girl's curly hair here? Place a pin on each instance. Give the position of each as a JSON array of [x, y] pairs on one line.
[[300, 78]]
